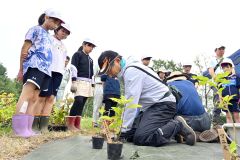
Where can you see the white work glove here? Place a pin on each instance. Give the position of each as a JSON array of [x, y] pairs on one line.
[[74, 87]]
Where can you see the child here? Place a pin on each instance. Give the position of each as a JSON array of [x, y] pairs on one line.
[[230, 89], [35, 61], [46, 98], [111, 89], [82, 72]]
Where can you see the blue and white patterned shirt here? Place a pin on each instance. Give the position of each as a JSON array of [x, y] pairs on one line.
[[40, 53]]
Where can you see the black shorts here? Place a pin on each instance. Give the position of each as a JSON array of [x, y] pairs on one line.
[[53, 86], [37, 77], [234, 107]]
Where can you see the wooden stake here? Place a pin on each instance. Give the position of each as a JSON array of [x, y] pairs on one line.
[[106, 131], [224, 144]]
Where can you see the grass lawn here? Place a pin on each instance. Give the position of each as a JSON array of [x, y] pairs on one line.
[[15, 148]]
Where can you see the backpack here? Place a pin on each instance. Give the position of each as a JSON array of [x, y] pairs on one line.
[[172, 89]]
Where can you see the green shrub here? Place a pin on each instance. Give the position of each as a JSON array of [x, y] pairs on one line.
[[60, 110], [7, 108]]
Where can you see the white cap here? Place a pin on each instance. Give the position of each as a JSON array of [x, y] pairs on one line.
[[53, 13], [219, 46], [227, 60], [89, 41], [187, 64], [145, 57], [66, 26]]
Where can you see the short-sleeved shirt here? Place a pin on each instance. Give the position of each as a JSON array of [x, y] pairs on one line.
[[40, 53], [214, 61], [58, 56], [190, 104], [232, 88]]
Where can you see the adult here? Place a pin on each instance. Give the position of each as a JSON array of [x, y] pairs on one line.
[[187, 70], [190, 106], [161, 74], [146, 60], [156, 123], [81, 83], [214, 69]]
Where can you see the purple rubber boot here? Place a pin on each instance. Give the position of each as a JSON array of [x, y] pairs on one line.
[[20, 125], [30, 123]]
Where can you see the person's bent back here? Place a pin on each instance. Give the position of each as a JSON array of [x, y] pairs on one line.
[[190, 106]]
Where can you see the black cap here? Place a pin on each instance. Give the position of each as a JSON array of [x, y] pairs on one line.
[[105, 59]]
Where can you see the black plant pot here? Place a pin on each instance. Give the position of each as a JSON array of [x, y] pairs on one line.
[[114, 150], [97, 142], [60, 128]]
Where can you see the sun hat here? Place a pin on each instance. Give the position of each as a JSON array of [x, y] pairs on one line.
[[176, 75]]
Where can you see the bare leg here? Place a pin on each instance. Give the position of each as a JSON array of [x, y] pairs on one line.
[[48, 105], [228, 117], [39, 105], [236, 117], [26, 96]]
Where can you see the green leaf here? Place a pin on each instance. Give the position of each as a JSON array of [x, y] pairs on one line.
[[102, 110], [134, 106], [233, 147], [117, 110]]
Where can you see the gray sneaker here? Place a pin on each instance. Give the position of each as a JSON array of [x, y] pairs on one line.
[[186, 131]]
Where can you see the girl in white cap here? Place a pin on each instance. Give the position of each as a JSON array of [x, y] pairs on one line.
[[35, 61], [82, 73], [45, 100]]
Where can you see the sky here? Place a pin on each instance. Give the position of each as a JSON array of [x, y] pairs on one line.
[[176, 30]]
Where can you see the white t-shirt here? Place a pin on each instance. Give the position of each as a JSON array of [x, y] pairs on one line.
[[58, 56], [214, 61]]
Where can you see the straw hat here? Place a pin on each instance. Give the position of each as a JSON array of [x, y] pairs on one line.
[[176, 75]]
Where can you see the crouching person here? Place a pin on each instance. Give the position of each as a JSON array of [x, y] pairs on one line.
[[156, 123], [190, 106]]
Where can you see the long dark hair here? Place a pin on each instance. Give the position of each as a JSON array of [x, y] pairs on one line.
[[41, 19]]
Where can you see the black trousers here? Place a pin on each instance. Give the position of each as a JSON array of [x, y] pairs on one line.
[[108, 107], [78, 105], [157, 125]]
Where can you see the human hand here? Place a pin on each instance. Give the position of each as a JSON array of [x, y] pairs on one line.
[[20, 76], [74, 87]]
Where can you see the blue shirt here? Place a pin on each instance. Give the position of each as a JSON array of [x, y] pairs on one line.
[[111, 85], [232, 87], [40, 53], [190, 104]]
